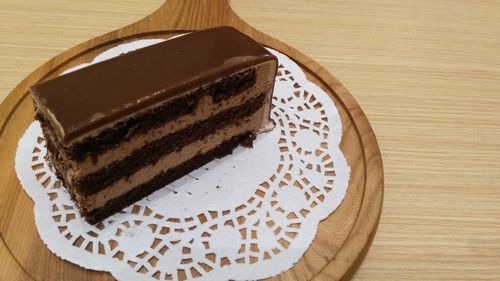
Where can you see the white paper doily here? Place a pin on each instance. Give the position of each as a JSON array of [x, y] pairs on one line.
[[250, 215]]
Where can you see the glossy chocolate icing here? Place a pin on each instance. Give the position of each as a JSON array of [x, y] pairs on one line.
[[90, 98]]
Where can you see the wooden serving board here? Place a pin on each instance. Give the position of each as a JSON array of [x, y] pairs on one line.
[[342, 239]]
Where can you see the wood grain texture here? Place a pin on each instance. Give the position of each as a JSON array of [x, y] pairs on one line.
[[425, 73], [342, 239]]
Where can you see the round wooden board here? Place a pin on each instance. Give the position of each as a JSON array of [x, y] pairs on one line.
[[342, 239]]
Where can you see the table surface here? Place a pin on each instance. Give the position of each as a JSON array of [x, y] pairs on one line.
[[426, 73]]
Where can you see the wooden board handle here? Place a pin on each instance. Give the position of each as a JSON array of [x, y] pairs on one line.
[[188, 15]]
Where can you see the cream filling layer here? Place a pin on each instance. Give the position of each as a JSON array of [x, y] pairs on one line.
[[252, 123]]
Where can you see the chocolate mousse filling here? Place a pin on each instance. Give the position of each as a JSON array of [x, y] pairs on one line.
[[116, 204]]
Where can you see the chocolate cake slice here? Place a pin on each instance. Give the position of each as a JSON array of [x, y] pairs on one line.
[[120, 129]]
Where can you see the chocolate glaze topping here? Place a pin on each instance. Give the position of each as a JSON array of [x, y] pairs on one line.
[[90, 98]]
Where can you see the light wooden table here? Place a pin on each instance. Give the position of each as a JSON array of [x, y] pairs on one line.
[[426, 73]]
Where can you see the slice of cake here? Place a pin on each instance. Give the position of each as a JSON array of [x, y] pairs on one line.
[[118, 130]]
